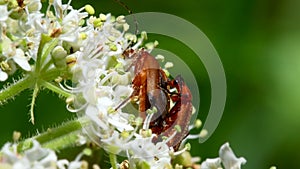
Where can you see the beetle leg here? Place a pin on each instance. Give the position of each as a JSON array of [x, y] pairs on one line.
[[136, 90]]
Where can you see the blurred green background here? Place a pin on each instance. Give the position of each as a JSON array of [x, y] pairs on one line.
[[259, 44]]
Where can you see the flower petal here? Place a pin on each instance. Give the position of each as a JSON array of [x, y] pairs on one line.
[[211, 163], [228, 158], [21, 60]]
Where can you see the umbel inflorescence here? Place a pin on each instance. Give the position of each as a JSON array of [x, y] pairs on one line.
[[81, 57]]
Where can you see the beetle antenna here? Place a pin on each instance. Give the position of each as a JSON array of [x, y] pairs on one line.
[[131, 13]]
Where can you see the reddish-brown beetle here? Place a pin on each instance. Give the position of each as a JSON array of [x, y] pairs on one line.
[[153, 88]]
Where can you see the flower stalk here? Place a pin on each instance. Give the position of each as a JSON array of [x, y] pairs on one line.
[[40, 55], [113, 160], [55, 89], [58, 138], [15, 88]]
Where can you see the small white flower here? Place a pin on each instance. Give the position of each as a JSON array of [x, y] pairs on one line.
[[35, 158], [211, 163], [10, 51], [91, 112], [228, 158], [21, 60], [35, 24], [156, 155], [70, 25], [115, 143], [120, 121]]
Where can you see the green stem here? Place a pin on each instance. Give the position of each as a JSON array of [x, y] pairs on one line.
[[55, 89], [47, 65], [16, 88], [51, 74], [62, 130], [113, 160], [61, 137], [49, 49], [44, 40], [51, 46]]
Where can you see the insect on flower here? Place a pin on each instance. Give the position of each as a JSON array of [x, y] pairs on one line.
[[152, 89]]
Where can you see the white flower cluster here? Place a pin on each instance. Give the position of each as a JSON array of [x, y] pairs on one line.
[[22, 25], [35, 157], [93, 49], [103, 83], [13, 39]]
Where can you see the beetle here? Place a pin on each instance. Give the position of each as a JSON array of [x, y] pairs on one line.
[[180, 113], [152, 88], [147, 83]]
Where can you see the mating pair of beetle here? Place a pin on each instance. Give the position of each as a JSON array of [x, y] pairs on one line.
[[154, 89]]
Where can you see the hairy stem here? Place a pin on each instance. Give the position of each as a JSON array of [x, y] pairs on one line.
[[60, 137], [113, 160], [15, 88]]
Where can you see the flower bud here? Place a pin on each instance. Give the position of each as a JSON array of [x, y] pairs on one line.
[[151, 45], [160, 57], [125, 27], [16, 135], [89, 9], [71, 60], [102, 17], [34, 6], [59, 53], [58, 56], [144, 35], [121, 19], [203, 133], [198, 123], [168, 65], [130, 37]]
